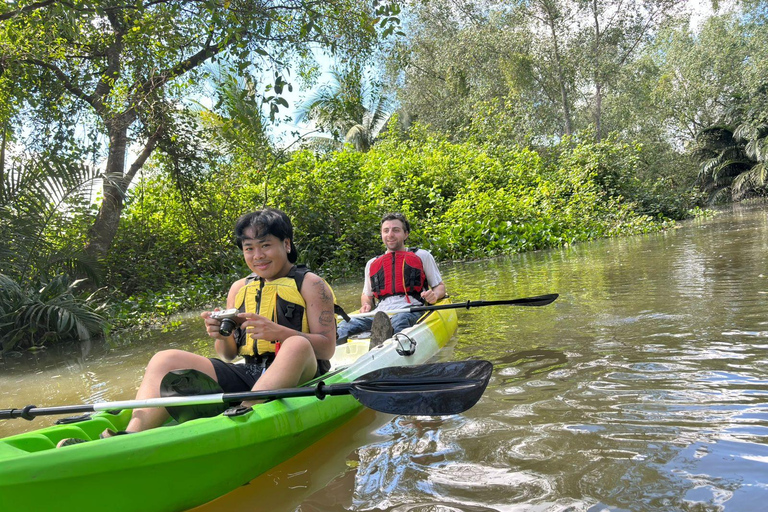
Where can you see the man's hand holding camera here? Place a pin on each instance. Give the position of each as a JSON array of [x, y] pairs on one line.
[[258, 327], [221, 323]]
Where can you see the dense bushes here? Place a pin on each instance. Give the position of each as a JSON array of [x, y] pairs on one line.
[[174, 250], [485, 201], [465, 201]]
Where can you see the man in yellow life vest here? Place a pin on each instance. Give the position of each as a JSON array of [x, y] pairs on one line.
[[397, 279], [286, 332]]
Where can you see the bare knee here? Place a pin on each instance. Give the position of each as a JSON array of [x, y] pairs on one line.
[[168, 360], [298, 347], [297, 358], [165, 360]]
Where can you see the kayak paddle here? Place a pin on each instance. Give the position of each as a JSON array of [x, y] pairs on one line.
[[423, 390], [541, 300]]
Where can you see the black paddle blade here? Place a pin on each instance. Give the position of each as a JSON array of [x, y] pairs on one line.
[[186, 383], [541, 300], [426, 390]]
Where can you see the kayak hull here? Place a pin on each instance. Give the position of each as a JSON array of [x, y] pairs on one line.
[[178, 467]]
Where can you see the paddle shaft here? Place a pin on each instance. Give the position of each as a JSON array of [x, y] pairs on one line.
[[387, 390], [321, 391], [541, 300]]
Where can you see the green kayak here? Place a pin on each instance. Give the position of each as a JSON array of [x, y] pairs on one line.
[[180, 466]]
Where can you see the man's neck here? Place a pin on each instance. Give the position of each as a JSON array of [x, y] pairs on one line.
[[284, 272]]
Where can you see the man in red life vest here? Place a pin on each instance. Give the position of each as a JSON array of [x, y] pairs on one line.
[[398, 279]]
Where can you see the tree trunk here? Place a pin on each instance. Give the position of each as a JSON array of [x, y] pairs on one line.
[[104, 228], [2, 158], [597, 76], [561, 80], [116, 183], [598, 111]]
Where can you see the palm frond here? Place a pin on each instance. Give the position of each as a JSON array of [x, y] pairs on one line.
[[757, 149], [750, 181], [30, 317], [349, 107], [37, 203], [359, 136], [746, 131], [720, 195]]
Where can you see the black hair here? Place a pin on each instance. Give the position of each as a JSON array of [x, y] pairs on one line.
[[268, 221], [397, 216]]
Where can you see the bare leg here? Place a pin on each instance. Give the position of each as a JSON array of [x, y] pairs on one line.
[[160, 364], [295, 363]]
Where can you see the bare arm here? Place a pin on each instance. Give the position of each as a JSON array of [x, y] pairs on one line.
[[320, 315], [366, 302], [434, 294]]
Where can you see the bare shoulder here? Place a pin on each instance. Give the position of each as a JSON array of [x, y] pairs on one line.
[[316, 287], [237, 285], [233, 290]]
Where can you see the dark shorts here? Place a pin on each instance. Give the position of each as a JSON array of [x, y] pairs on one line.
[[234, 378]]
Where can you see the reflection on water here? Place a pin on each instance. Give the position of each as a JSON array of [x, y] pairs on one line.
[[85, 374], [643, 388]]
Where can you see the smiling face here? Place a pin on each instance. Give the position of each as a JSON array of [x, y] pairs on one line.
[[394, 235], [267, 256]]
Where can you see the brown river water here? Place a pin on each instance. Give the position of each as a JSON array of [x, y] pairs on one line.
[[643, 388]]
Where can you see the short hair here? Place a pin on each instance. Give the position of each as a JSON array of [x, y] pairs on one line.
[[269, 221], [396, 216]]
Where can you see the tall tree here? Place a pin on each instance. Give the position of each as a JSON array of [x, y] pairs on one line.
[[611, 36], [556, 20], [125, 66], [555, 64], [713, 94]]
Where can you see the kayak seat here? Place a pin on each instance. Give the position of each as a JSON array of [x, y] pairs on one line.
[[92, 428], [31, 443], [72, 431]]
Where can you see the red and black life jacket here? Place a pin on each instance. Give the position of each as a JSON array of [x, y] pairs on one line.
[[398, 273]]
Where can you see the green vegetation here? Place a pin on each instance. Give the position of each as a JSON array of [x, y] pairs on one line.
[[512, 127], [464, 200], [41, 208]]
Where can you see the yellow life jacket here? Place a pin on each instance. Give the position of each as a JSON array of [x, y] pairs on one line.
[[279, 300]]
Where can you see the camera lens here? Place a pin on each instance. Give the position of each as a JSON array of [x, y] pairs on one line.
[[226, 327]]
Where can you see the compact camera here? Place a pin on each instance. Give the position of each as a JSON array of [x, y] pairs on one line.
[[228, 319]]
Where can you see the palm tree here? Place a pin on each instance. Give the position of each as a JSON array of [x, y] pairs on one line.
[[242, 123], [41, 206], [722, 159], [350, 108], [755, 179]]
